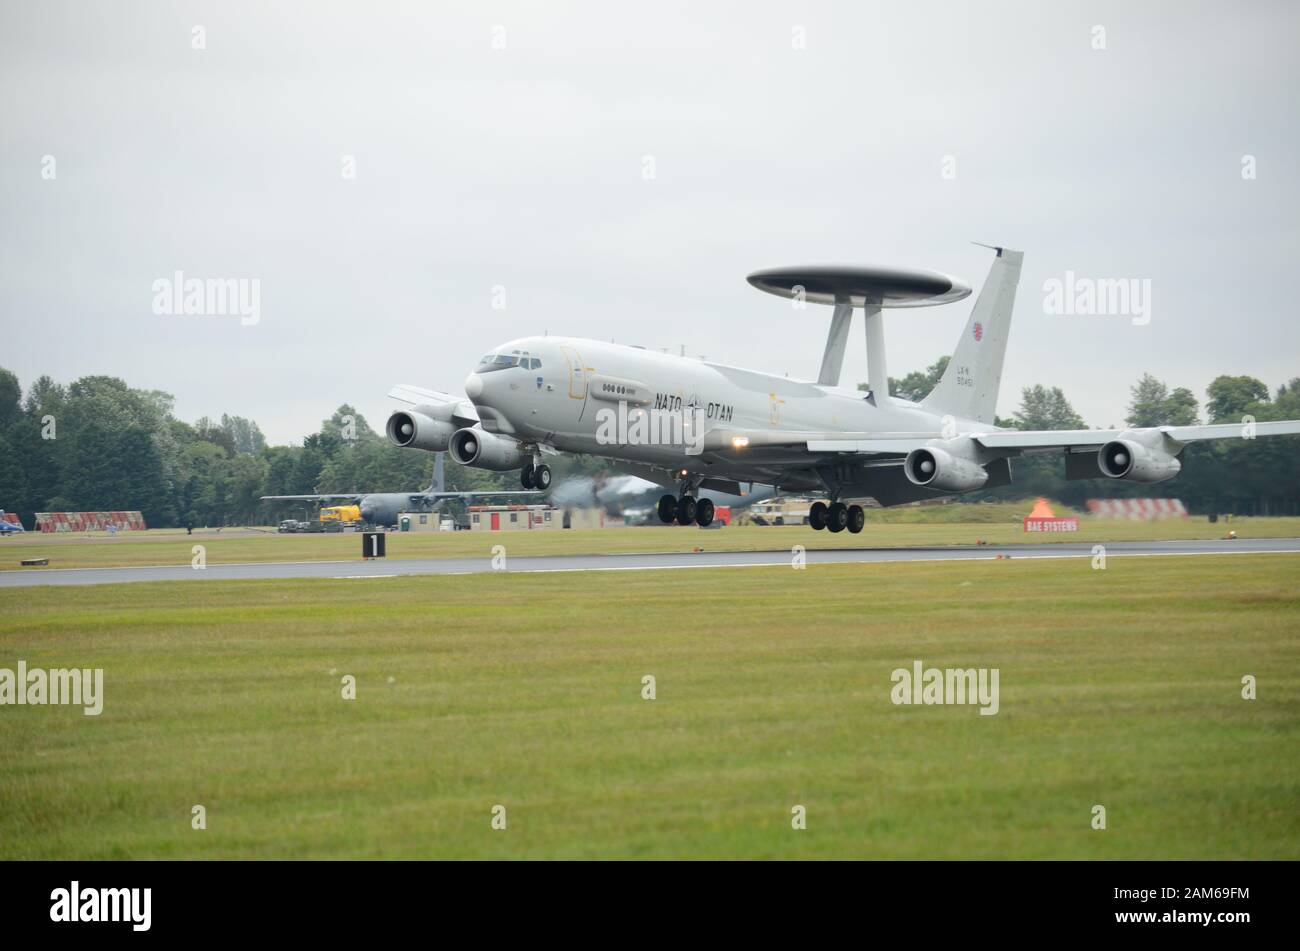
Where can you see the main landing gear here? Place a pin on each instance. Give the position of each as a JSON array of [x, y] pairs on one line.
[[535, 477], [836, 517], [685, 510]]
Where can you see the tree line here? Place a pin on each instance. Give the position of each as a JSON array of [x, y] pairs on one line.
[[97, 444]]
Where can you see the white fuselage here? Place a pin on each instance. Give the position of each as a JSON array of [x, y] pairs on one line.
[[588, 396]]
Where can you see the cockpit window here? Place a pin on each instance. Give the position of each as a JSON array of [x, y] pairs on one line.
[[503, 361], [497, 361]]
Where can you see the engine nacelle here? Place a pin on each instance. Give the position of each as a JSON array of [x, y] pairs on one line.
[[939, 469], [413, 430], [1134, 462], [474, 447]]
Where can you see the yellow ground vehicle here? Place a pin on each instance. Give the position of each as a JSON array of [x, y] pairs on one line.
[[345, 514]]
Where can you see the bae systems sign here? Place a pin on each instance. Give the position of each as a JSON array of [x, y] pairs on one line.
[[1043, 519]]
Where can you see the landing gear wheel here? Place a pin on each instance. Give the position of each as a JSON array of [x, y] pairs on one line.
[[704, 513], [837, 517], [685, 510], [668, 509], [817, 516], [526, 475], [542, 477], [857, 518]]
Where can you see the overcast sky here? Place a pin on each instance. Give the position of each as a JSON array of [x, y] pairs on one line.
[[525, 167]]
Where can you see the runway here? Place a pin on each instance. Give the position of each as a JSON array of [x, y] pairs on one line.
[[384, 568]]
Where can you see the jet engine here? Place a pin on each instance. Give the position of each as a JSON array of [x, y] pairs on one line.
[[474, 447], [409, 429], [1134, 462], [937, 468]]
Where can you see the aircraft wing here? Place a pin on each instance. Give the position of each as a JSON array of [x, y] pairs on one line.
[[351, 496], [1065, 438], [1023, 440], [901, 443], [436, 496], [822, 441], [457, 407]]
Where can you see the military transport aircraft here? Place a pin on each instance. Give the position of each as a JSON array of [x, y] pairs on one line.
[[382, 508], [687, 424]]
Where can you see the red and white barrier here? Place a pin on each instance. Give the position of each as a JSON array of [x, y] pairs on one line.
[[89, 521], [1138, 510]]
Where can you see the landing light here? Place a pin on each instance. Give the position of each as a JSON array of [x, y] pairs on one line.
[[739, 442]]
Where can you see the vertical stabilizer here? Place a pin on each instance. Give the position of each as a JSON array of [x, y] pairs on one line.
[[439, 483], [969, 387]]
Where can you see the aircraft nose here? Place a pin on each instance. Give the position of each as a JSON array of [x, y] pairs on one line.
[[473, 386]]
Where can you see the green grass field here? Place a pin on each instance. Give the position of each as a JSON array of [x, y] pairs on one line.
[[885, 529], [1118, 687]]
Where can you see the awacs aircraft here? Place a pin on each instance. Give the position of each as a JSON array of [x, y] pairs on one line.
[[687, 424], [382, 508]]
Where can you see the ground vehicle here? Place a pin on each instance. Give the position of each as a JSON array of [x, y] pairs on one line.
[[343, 514], [781, 511], [293, 526], [316, 528]]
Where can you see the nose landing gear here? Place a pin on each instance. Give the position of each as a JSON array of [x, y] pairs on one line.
[[535, 477]]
